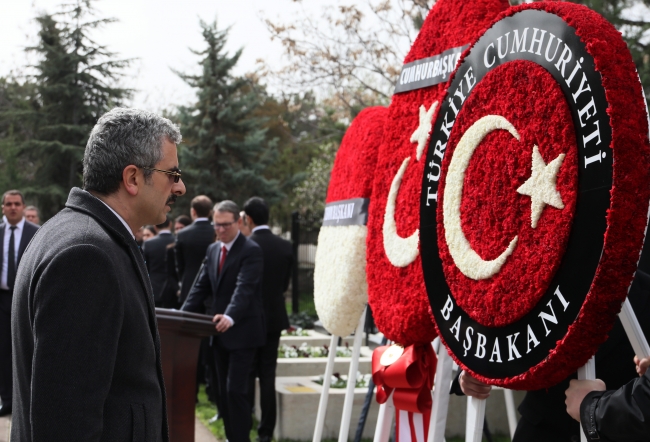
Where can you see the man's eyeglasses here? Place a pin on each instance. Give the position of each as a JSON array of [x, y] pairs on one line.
[[222, 225], [174, 173]]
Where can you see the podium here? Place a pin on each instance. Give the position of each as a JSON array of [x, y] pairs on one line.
[[180, 338]]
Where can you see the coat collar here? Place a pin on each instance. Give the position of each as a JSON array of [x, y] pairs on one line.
[[85, 202]]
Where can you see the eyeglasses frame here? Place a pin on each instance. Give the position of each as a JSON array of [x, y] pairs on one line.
[[174, 173], [224, 226]]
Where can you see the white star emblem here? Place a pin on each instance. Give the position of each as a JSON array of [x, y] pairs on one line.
[[421, 134], [541, 186]]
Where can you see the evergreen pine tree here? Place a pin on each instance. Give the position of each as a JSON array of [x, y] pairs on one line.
[[18, 101], [227, 149], [75, 80]]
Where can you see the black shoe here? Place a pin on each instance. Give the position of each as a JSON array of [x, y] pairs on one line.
[[5, 410], [214, 419]]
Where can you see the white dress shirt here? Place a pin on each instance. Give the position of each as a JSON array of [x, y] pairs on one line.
[[18, 235], [262, 227]]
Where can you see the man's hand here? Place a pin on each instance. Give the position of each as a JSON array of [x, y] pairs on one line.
[[473, 387], [576, 393], [641, 365], [222, 322]]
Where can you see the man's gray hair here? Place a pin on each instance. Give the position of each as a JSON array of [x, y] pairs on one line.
[[120, 138], [227, 206]]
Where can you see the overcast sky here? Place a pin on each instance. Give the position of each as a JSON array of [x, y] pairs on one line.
[[159, 33]]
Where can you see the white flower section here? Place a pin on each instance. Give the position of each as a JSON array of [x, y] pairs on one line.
[[465, 258], [400, 251], [540, 187], [421, 134], [340, 287]]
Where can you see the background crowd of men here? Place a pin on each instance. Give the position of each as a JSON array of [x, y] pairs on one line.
[[219, 259], [209, 265]]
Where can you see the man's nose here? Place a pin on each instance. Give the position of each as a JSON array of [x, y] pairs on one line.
[[179, 188]]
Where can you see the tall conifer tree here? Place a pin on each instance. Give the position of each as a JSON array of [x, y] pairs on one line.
[[76, 80], [227, 149], [18, 102]]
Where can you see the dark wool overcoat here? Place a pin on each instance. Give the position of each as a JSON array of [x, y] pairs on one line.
[[86, 350]]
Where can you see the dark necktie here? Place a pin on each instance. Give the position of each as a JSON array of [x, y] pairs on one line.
[[11, 271], [224, 252]]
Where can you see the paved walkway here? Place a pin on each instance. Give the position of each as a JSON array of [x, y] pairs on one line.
[[5, 425], [201, 433]]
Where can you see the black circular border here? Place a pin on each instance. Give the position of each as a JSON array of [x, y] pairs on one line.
[[585, 244]]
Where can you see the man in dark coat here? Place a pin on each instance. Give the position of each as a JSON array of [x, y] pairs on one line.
[[231, 278], [621, 415], [192, 243], [15, 233], [86, 347], [278, 257], [155, 256], [623, 412]]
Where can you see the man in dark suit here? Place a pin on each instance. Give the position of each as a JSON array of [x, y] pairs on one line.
[[192, 242], [155, 255], [16, 233], [86, 346], [231, 279], [278, 257]]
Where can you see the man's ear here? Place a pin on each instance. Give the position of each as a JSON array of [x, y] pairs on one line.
[[131, 179]]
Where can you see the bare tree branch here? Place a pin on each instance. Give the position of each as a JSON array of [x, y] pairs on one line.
[[354, 52]]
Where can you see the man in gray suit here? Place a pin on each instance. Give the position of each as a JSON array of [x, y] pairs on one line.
[[86, 346]]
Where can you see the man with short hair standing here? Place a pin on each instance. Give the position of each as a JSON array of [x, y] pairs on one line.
[[155, 254], [192, 242], [278, 258], [86, 347], [232, 278], [16, 233], [31, 215]]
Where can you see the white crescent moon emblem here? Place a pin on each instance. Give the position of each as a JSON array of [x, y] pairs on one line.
[[403, 251], [465, 258], [400, 251]]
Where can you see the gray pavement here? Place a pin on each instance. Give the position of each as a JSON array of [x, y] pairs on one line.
[[201, 433], [5, 425]]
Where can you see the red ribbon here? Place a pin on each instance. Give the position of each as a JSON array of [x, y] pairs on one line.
[[410, 378]]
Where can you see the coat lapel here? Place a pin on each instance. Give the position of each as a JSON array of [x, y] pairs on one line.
[[87, 203]]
